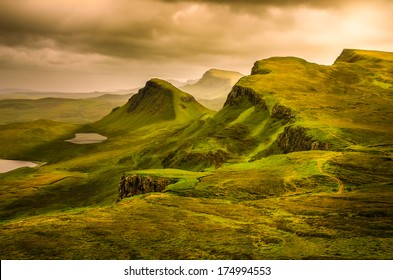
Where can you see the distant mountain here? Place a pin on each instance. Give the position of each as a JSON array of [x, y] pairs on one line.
[[214, 84], [180, 84], [158, 102], [176, 83], [69, 110], [26, 94], [11, 90]]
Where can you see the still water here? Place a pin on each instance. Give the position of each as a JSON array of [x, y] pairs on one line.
[[87, 138], [9, 165]]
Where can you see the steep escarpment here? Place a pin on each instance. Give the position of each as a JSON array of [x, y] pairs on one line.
[[238, 93], [317, 107], [354, 55], [280, 111], [296, 139], [286, 105]]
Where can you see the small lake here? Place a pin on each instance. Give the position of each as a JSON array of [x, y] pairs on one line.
[[9, 165], [87, 138]]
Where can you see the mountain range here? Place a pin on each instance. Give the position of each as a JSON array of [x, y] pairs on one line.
[[296, 164], [19, 105]]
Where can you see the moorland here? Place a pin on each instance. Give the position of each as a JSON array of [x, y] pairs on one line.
[[296, 164]]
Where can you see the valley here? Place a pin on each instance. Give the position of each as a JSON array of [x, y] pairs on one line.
[[296, 164]]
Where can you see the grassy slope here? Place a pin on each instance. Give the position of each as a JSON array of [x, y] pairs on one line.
[[158, 103], [75, 170], [346, 99], [307, 204]]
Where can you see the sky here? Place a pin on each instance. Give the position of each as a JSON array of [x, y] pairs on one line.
[[102, 45]]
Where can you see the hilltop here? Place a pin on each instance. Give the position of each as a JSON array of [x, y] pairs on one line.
[[159, 102], [317, 108]]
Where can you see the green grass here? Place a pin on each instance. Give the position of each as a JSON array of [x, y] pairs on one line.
[[235, 195]]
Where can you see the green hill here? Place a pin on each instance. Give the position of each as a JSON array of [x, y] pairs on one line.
[[288, 104], [158, 102]]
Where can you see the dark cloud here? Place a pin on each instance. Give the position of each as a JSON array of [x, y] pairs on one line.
[[277, 3], [178, 39], [156, 33]]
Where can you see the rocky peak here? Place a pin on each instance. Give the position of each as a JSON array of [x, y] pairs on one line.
[[238, 93], [296, 139], [348, 55], [282, 112]]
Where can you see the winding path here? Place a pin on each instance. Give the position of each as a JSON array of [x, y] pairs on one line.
[[339, 182]]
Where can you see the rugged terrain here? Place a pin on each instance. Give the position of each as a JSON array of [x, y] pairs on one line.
[[296, 165]]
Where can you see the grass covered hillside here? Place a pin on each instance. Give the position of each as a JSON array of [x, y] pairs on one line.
[[310, 106], [158, 102], [298, 164]]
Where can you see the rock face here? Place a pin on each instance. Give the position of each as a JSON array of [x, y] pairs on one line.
[[178, 159], [187, 99], [259, 70], [295, 139], [131, 185], [282, 112], [238, 92]]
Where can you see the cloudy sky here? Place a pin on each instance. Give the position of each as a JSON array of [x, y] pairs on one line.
[[73, 45]]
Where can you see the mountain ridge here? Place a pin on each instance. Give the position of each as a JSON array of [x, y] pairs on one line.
[[157, 101]]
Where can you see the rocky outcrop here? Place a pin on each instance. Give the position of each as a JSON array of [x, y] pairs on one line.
[[238, 93], [115, 109], [256, 69], [131, 185], [296, 139], [282, 112], [182, 159], [187, 99]]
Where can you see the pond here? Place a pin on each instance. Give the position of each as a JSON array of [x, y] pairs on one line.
[[87, 138], [9, 165]]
